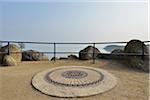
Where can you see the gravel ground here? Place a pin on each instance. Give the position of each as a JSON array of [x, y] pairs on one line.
[[15, 81]]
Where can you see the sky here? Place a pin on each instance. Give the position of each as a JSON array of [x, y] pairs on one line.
[[73, 21]]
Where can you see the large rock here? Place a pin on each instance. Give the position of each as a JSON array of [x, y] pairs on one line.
[[72, 57], [135, 46], [87, 53], [116, 54], [117, 51], [63, 58], [32, 55], [15, 52], [9, 61]]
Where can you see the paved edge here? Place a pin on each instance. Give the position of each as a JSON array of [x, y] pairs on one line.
[[109, 83]]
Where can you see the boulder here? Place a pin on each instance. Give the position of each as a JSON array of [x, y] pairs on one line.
[[72, 57], [31, 55], [9, 61], [14, 52], [102, 56], [116, 54], [63, 58], [87, 53], [117, 51], [137, 46]]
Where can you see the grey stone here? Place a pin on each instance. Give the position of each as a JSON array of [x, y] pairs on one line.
[[72, 57], [135, 46], [14, 52], [32, 55], [9, 61], [87, 53]]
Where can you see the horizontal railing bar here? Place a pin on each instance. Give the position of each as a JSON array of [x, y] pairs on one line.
[[26, 42], [67, 42], [119, 54], [124, 54], [74, 42]]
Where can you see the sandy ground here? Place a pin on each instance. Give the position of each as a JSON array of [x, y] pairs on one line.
[[15, 81]]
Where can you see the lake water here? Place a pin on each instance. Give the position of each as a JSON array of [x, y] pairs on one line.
[[61, 48]]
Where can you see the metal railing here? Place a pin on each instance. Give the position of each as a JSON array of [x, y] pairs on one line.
[[54, 52]]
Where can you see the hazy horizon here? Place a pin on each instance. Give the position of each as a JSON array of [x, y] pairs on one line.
[[85, 21], [73, 21]]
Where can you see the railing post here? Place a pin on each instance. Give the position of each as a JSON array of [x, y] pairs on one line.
[[8, 52], [93, 53], [21, 50], [143, 51], [54, 52]]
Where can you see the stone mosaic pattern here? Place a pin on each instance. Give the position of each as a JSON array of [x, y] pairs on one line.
[[73, 81]]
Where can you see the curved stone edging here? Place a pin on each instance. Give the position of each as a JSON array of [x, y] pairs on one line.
[[52, 82]]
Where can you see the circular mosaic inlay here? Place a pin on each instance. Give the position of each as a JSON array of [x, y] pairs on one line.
[[75, 74], [73, 81]]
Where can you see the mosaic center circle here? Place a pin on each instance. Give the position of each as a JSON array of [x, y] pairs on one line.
[[75, 74]]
